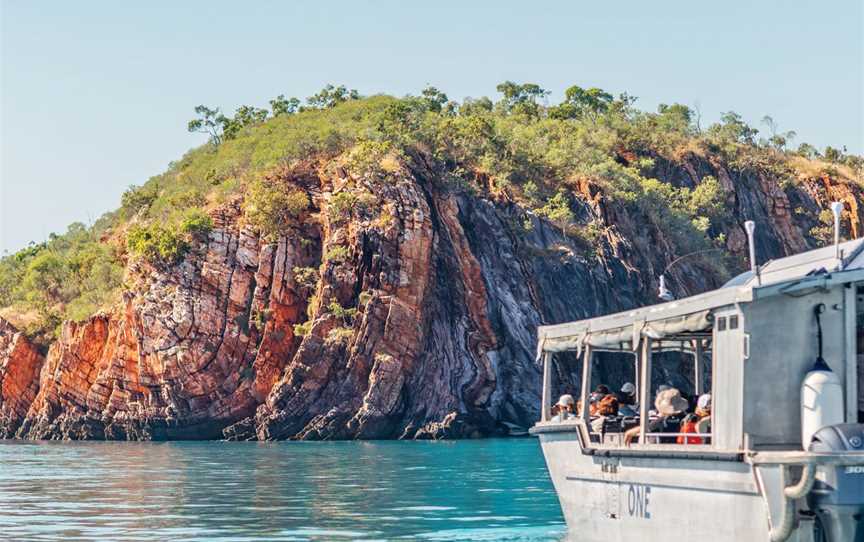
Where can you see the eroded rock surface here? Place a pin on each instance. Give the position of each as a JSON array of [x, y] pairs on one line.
[[413, 317]]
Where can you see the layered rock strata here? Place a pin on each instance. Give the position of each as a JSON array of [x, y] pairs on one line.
[[411, 315]]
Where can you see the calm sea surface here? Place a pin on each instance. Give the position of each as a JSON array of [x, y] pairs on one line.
[[470, 490]]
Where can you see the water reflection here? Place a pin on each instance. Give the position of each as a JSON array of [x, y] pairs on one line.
[[478, 490]]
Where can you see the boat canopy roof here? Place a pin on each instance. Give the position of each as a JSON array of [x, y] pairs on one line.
[[682, 320]]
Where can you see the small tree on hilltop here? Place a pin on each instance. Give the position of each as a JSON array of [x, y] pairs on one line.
[[243, 117], [579, 102], [331, 96], [210, 121], [778, 140], [281, 106], [434, 99], [521, 98]]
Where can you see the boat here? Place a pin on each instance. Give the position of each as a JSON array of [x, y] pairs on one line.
[[782, 457]]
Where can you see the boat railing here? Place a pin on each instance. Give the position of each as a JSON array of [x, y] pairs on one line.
[[653, 438], [802, 458]]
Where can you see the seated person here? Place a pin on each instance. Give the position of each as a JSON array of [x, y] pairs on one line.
[[689, 426], [670, 406], [564, 406], [628, 404], [652, 412], [595, 396], [703, 413], [608, 406]]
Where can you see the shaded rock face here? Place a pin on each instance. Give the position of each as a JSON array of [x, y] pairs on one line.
[[252, 338]]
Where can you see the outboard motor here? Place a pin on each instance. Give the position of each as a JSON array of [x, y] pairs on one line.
[[837, 496]]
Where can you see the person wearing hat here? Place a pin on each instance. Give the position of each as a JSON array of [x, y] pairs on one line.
[[628, 404], [670, 406], [565, 407], [703, 412], [698, 422]]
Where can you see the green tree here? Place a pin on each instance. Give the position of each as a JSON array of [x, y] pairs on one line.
[[833, 155], [521, 98], [44, 281], [675, 118], [282, 106], [434, 99], [557, 210], [136, 198], [210, 122], [778, 140], [579, 102], [807, 151], [733, 128], [331, 96], [244, 116], [472, 106]]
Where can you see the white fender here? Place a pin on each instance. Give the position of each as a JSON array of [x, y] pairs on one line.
[[821, 403]]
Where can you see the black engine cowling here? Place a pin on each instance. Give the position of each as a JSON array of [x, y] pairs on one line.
[[838, 494]]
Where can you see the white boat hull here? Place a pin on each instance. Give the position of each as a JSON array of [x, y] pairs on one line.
[[646, 499]]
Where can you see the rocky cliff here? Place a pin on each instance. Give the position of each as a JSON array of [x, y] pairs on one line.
[[411, 316]]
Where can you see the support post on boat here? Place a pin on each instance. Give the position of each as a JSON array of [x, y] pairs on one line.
[[780, 456]]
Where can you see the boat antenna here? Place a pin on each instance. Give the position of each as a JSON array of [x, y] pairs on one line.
[[663, 292], [837, 209], [821, 364], [750, 227]]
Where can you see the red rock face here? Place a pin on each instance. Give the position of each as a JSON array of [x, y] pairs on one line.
[[448, 289], [20, 364]]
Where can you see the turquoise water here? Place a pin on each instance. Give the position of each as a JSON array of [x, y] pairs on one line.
[[470, 490]]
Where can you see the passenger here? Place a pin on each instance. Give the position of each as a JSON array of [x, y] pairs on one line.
[[670, 406], [627, 400], [689, 426], [565, 408], [703, 413], [608, 406], [698, 422], [599, 393], [660, 389]]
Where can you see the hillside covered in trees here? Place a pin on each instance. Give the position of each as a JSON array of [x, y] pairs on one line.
[[354, 266]]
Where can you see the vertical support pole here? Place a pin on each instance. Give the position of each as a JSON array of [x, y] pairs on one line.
[[586, 382], [850, 337], [699, 367], [645, 390], [637, 371], [546, 405]]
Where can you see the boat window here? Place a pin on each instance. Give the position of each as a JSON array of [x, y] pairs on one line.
[[680, 373], [733, 321], [721, 323]]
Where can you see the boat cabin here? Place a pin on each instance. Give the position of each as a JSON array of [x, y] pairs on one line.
[[750, 344]]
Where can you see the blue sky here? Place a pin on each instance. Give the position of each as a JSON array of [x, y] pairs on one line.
[[95, 96]]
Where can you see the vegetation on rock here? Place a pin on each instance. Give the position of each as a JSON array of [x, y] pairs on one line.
[[518, 149]]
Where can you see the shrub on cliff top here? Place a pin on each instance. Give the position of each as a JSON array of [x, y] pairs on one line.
[[271, 207], [156, 243], [68, 277], [196, 224]]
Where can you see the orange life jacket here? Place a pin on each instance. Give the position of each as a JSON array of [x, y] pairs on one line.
[[688, 427]]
